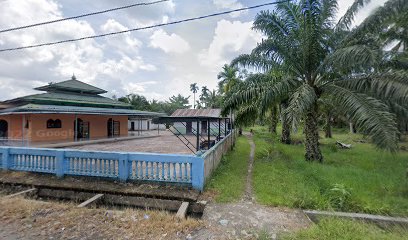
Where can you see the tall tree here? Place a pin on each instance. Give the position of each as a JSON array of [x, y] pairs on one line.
[[325, 59], [194, 88], [204, 96], [138, 102], [214, 99], [228, 78], [248, 110]]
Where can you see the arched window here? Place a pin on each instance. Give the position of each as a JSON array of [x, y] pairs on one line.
[[57, 123], [54, 124], [50, 123]]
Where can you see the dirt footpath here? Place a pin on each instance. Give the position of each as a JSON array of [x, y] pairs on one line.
[[247, 219]]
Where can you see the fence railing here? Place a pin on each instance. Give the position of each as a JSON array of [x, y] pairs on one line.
[[171, 168]]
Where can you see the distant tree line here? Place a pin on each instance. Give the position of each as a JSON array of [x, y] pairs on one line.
[[140, 102]]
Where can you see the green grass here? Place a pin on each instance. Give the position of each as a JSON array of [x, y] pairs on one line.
[[228, 181], [362, 179], [331, 228]]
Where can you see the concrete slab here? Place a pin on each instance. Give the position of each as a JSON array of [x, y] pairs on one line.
[[166, 142], [377, 219]]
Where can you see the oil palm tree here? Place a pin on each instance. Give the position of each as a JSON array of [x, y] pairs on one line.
[[322, 58], [249, 110], [228, 78], [194, 88]]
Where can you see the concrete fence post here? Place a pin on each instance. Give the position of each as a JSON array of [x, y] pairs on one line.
[[123, 167], [198, 173], [5, 158], [59, 158]]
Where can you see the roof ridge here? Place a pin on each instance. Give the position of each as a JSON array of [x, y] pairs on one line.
[[72, 84]]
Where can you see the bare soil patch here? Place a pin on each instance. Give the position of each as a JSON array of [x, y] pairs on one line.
[[28, 219]]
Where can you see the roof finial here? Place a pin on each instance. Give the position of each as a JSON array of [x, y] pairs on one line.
[[73, 77]]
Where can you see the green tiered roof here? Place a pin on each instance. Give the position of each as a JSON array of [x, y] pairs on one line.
[[70, 93], [72, 85]]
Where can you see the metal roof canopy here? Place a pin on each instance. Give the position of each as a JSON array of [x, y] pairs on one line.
[[223, 125], [169, 120], [204, 112], [55, 109]]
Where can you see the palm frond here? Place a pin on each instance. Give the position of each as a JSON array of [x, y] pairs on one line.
[[354, 58], [246, 114], [379, 20], [256, 62], [390, 85], [300, 102], [347, 19], [371, 116]]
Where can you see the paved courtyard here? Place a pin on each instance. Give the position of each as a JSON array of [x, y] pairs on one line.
[[166, 142]]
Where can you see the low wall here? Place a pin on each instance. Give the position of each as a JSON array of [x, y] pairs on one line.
[[212, 157], [188, 170], [170, 168]]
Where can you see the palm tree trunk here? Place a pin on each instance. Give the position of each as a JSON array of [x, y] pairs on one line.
[[194, 103], [313, 152], [285, 137], [328, 128], [274, 120]]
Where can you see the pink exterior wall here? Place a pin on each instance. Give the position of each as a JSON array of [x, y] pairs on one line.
[[35, 127]]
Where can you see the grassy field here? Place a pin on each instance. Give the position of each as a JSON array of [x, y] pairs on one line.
[[361, 179], [228, 181], [332, 228]]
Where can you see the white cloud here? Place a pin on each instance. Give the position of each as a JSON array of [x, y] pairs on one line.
[[363, 13], [230, 39], [169, 43], [123, 42], [88, 59], [229, 4]]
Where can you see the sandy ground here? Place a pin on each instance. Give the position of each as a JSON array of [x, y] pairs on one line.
[[166, 142]]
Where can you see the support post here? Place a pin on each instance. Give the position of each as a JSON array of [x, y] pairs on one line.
[[208, 133], [219, 129], [5, 158], [59, 158], [138, 127], [198, 135], [198, 173], [123, 167], [113, 127], [225, 127]]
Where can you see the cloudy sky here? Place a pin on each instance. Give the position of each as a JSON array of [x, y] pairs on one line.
[[157, 63]]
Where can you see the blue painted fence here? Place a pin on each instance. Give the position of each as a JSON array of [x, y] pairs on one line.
[[171, 168]]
